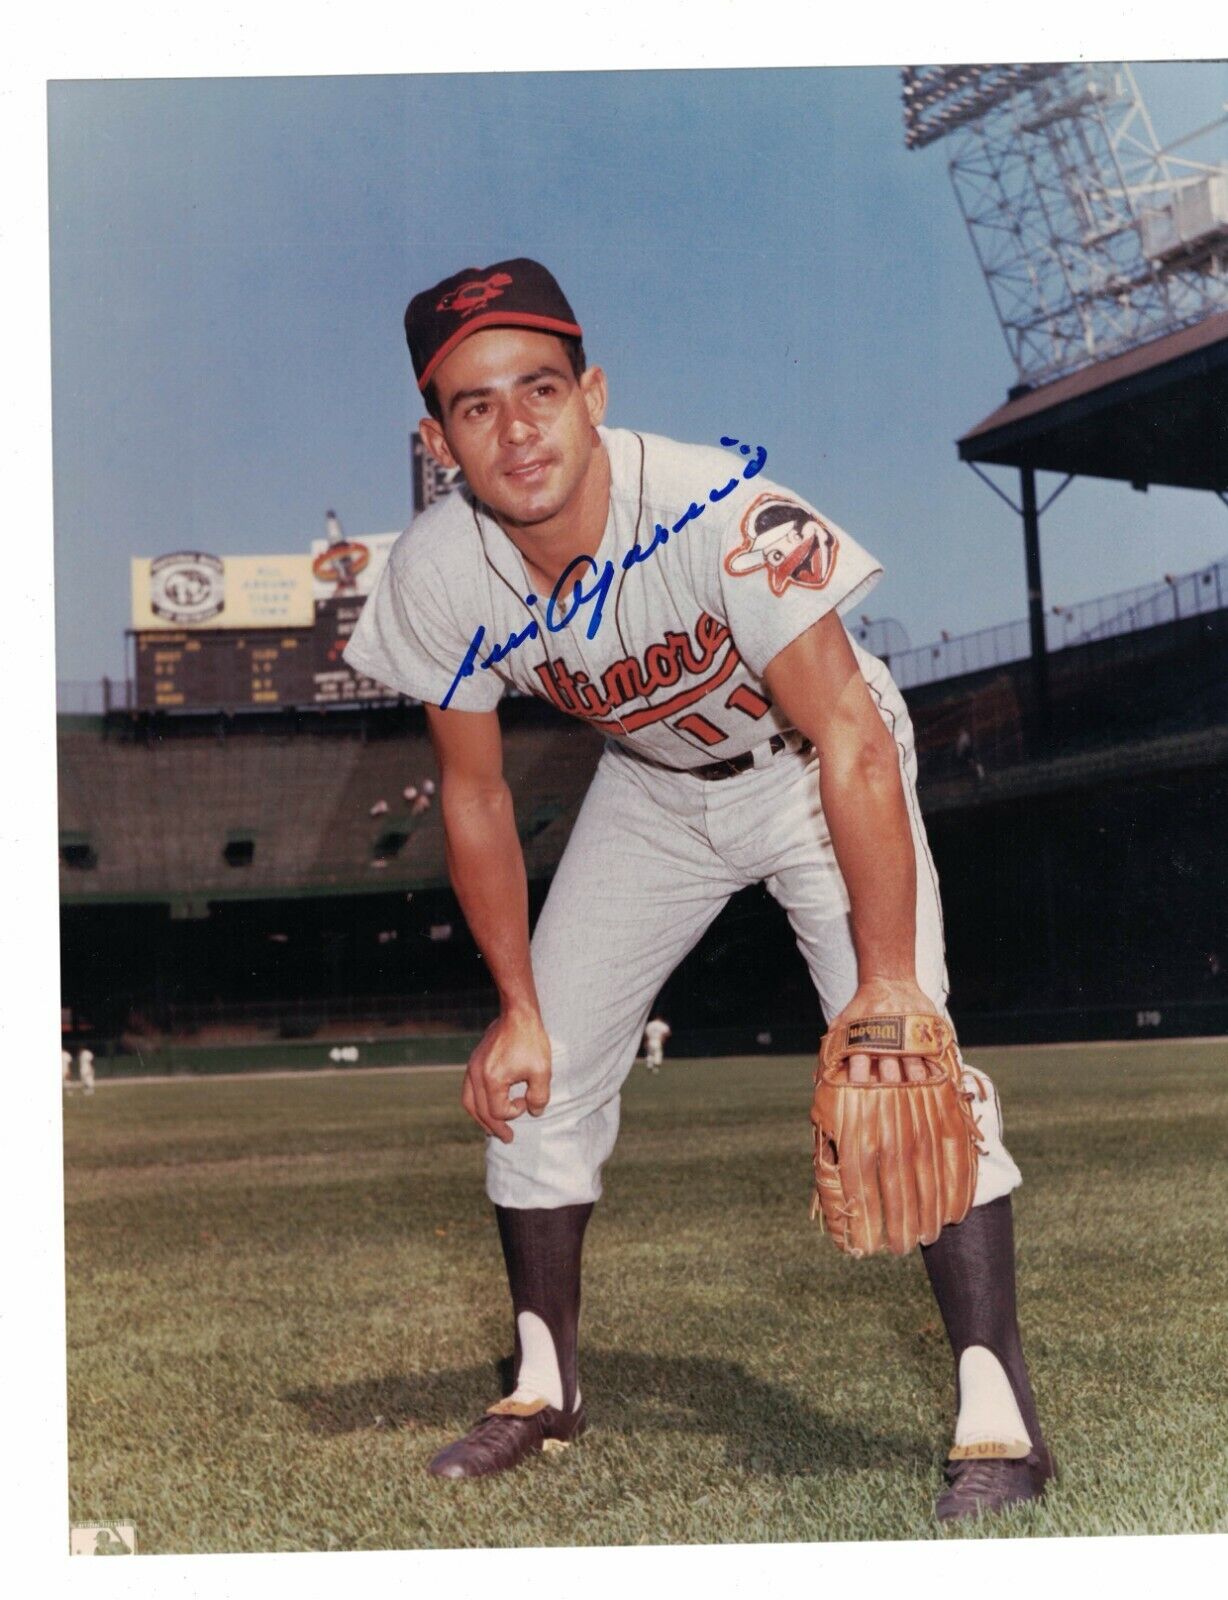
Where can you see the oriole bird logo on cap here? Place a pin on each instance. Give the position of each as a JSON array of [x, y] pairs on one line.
[[519, 293], [470, 297]]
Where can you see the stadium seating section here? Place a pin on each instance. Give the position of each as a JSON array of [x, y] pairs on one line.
[[231, 878], [254, 812], [218, 808]]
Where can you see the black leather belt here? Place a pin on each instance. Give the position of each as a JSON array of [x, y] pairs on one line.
[[730, 767]]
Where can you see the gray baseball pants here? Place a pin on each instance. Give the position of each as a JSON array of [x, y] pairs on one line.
[[652, 859]]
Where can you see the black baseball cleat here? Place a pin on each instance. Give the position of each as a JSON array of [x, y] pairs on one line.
[[977, 1486], [506, 1435]]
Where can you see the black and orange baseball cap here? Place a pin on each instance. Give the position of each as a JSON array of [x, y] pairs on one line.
[[517, 294]]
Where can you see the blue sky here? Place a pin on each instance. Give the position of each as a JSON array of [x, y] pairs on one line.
[[750, 252]]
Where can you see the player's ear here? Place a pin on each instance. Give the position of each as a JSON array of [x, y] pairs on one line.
[[596, 395], [433, 437]]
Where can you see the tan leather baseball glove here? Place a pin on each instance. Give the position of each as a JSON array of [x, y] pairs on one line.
[[893, 1162]]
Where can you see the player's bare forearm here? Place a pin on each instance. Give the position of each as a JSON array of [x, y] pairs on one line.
[[486, 866], [485, 861], [866, 814], [817, 682]]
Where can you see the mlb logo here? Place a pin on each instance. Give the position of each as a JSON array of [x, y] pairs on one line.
[[102, 1539]]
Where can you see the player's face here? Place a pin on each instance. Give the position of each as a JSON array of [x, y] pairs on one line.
[[516, 422]]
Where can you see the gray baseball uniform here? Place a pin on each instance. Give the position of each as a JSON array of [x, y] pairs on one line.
[[706, 570]]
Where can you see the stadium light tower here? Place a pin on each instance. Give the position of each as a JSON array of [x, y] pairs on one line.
[[1092, 239]]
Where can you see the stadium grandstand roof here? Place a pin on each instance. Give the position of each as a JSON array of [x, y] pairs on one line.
[[1155, 414]]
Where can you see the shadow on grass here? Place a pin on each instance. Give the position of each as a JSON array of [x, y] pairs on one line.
[[766, 1427]]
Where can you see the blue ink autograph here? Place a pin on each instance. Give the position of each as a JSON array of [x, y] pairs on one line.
[[597, 594]]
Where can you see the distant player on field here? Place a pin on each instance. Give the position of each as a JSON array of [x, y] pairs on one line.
[[655, 1034], [85, 1069]]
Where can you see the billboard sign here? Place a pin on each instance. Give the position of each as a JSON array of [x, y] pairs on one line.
[[187, 589], [192, 589], [347, 567]]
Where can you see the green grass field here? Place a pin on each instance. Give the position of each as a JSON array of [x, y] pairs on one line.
[[285, 1294]]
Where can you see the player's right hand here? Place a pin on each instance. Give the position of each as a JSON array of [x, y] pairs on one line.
[[882, 997], [513, 1050]]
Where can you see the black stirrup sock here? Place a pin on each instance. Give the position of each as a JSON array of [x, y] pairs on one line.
[[541, 1248], [971, 1267]]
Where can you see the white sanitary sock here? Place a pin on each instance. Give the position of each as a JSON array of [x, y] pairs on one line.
[[989, 1421], [539, 1377]]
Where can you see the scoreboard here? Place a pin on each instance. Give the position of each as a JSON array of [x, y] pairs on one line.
[[229, 633], [195, 671], [209, 670], [332, 681]]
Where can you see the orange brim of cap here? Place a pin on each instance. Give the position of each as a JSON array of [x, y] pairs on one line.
[[498, 319]]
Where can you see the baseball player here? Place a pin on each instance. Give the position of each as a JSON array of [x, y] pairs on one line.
[[677, 600], [656, 1033], [66, 1068], [85, 1069]]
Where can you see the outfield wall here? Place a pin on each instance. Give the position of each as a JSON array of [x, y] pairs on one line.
[[1105, 1023], [287, 1056], [1066, 915]]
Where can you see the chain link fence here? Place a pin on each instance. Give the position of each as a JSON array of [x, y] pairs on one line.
[[1172, 599]]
